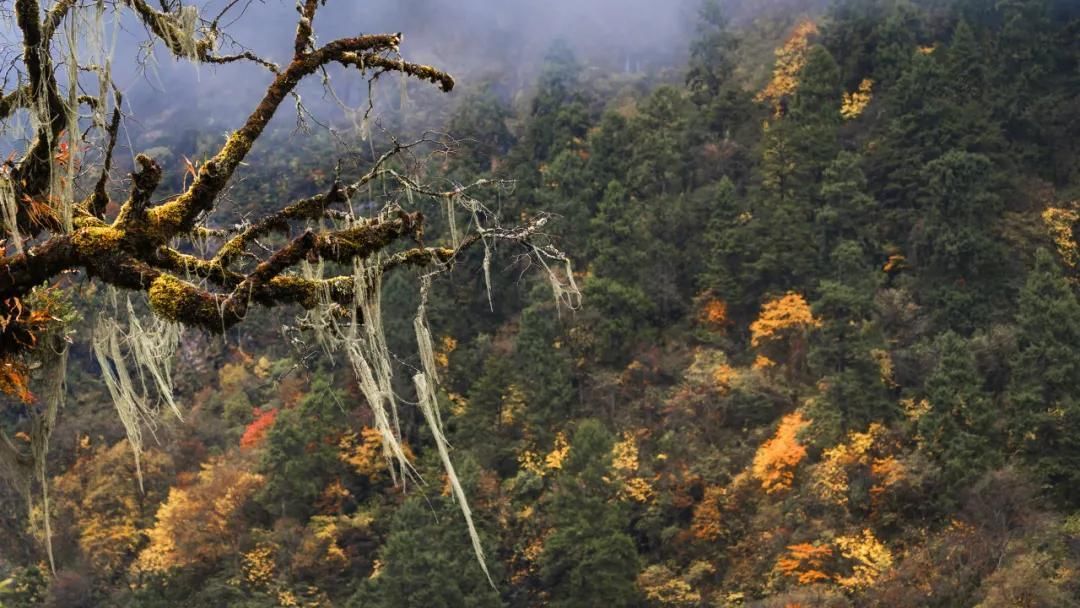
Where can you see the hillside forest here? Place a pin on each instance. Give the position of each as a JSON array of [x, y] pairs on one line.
[[826, 353]]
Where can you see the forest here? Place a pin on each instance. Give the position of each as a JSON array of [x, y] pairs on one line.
[[787, 317]]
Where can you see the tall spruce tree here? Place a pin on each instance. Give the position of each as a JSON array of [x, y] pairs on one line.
[[1044, 394]]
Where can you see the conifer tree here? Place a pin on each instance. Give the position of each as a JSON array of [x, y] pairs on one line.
[[958, 428], [589, 560], [1044, 394]]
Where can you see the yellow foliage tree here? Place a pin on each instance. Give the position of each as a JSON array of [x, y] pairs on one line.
[[790, 60], [363, 451], [869, 558], [258, 567], [201, 524], [98, 500], [663, 587], [868, 453], [787, 321], [854, 103], [781, 316], [544, 465], [775, 461], [555, 458], [1061, 223], [625, 464]]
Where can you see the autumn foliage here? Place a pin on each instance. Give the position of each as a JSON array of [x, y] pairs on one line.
[[255, 432], [776, 459], [213, 502], [790, 60], [806, 563], [780, 317]]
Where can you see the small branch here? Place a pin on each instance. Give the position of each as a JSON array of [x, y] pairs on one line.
[[35, 168], [179, 215], [15, 100], [245, 55], [423, 72], [55, 17], [304, 30], [100, 199]]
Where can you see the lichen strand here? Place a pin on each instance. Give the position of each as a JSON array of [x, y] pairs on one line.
[[183, 302], [96, 241]]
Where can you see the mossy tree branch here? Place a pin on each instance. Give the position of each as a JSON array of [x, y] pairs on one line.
[[136, 250]]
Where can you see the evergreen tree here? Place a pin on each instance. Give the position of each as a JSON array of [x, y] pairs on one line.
[[588, 560], [955, 243], [725, 120], [544, 368], [480, 119], [843, 350], [427, 561], [725, 248], [1044, 394], [958, 428], [796, 149], [301, 451], [847, 211]]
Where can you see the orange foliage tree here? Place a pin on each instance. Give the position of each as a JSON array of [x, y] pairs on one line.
[[775, 461], [256, 431], [786, 321], [707, 524], [807, 563], [201, 524]]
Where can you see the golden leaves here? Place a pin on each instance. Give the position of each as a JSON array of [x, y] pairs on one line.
[[852, 562], [707, 524], [513, 405], [553, 461], [713, 314], [790, 60], [214, 501], [447, 345], [1060, 223], [762, 363], [257, 566], [775, 461], [853, 104], [885, 366], [625, 464], [555, 458], [665, 588], [724, 375], [869, 559], [781, 315], [364, 452], [868, 452]]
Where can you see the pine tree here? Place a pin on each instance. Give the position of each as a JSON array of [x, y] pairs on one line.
[[588, 560], [955, 244], [958, 429], [1044, 394], [301, 451], [427, 559], [846, 350], [847, 210]]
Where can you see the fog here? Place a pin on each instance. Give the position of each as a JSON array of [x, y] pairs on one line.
[[474, 40]]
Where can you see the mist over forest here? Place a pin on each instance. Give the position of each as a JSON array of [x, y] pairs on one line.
[[628, 303]]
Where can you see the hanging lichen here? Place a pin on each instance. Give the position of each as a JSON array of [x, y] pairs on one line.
[[150, 347], [425, 393]]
